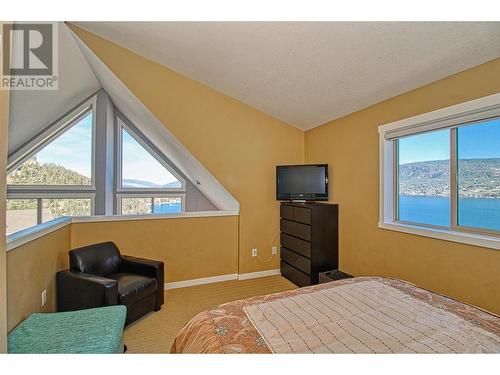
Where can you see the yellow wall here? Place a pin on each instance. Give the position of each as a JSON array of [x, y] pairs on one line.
[[350, 146], [239, 145], [31, 269], [4, 125], [191, 247]]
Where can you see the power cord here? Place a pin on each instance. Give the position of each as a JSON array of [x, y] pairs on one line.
[[272, 255]]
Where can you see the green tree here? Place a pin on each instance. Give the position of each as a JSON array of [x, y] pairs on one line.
[[32, 172]]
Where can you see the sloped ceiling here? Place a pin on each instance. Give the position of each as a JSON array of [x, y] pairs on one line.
[[33, 111], [309, 73], [156, 132], [81, 74]]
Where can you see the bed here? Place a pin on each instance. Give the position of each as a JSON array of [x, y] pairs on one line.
[[359, 315]]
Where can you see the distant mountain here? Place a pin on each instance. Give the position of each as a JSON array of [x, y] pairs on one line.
[[479, 178], [140, 184]]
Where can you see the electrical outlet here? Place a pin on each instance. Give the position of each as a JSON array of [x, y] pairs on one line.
[[254, 252], [275, 250], [44, 297]]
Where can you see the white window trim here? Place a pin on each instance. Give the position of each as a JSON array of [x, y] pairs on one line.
[[119, 158], [119, 197], [448, 117]]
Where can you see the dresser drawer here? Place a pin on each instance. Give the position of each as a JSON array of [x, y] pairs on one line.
[[299, 246], [286, 212], [294, 275], [296, 260], [302, 215], [296, 229]]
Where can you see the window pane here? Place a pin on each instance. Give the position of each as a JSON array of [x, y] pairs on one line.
[[478, 149], [136, 206], [21, 214], [54, 208], [424, 178], [167, 205], [141, 170], [67, 160]]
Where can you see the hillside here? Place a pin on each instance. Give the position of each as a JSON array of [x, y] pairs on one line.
[[478, 178], [32, 172]]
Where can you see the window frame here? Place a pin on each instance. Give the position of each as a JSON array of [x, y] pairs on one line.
[[396, 189], [151, 195], [121, 192], [40, 192], [46, 137], [454, 117], [40, 196], [159, 158]]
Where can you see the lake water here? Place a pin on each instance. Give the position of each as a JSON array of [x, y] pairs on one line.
[[168, 208], [472, 212]]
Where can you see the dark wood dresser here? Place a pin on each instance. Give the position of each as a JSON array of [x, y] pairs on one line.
[[309, 241]]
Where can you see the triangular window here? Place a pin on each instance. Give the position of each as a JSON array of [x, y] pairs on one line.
[[141, 169], [65, 160]]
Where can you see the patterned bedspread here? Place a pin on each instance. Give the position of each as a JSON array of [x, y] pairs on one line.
[[360, 315]]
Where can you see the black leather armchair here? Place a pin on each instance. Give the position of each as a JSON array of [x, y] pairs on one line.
[[100, 276]]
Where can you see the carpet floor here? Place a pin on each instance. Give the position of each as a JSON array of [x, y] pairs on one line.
[[155, 332]]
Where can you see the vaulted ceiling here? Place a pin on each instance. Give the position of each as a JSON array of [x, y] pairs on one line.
[[304, 73], [81, 73], [309, 73]]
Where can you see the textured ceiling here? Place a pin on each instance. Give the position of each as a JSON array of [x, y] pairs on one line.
[[33, 111], [309, 73]]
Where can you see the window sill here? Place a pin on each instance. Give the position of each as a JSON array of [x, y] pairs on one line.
[[30, 234], [474, 239], [179, 215]]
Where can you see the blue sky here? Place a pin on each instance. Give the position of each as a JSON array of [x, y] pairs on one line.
[[138, 164], [474, 141], [479, 141], [73, 150]]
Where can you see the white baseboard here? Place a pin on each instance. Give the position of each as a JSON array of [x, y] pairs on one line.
[[204, 280], [254, 275], [217, 279]]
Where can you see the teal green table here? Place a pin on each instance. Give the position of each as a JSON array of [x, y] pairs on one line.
[[91, 331]]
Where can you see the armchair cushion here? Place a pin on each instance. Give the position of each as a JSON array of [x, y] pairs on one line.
[[146, 267], [133, 287], [102, 259]]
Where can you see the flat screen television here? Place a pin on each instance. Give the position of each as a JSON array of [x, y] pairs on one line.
[[302, 182]]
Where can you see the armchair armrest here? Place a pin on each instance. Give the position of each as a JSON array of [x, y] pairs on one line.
[[79, 290], [146, 267]]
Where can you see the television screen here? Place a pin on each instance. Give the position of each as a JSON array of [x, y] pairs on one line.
[[302, 182]]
